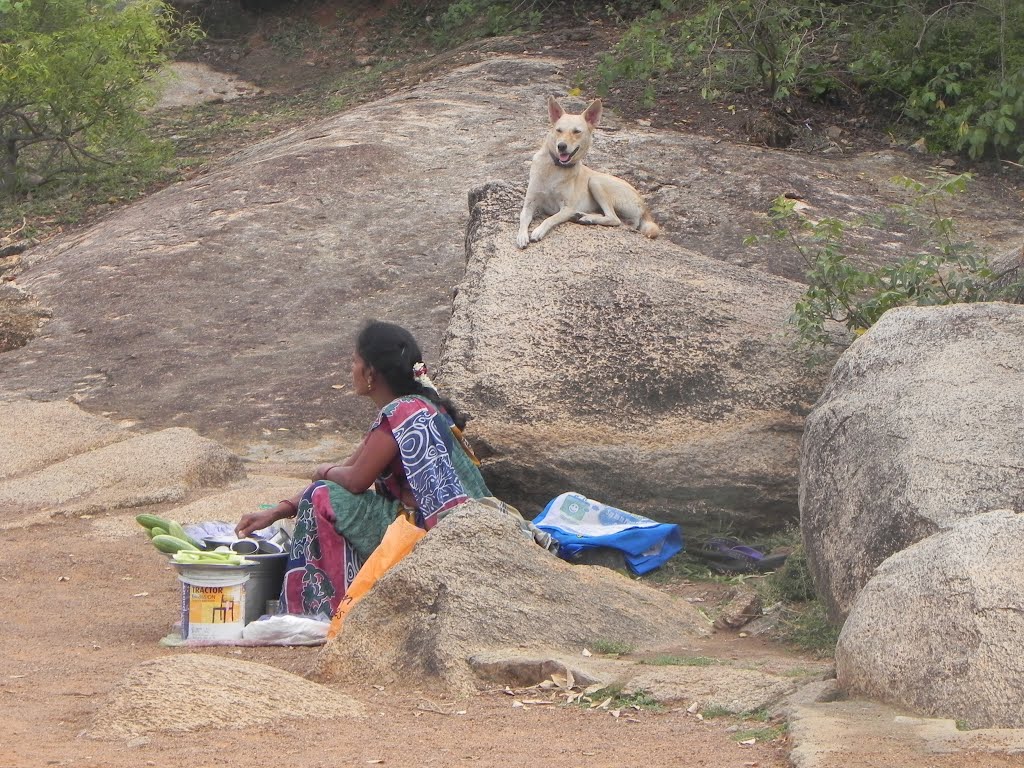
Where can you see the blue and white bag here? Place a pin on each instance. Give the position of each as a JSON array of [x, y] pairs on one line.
[[578, 523]]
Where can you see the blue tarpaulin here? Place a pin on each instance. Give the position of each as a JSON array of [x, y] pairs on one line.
[[578, 523]]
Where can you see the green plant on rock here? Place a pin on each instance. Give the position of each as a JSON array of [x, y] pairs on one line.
[[947, 271], [74, 75]]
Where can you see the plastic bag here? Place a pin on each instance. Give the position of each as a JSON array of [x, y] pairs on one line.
[[579, 523], [399, 539], [286, 629]]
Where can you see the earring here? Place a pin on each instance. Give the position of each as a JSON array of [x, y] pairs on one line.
[[369, 385]]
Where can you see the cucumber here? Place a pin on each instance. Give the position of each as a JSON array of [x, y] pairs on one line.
[[209, 558], [171, 544], [175, 529], [152, 521], [156, 530]]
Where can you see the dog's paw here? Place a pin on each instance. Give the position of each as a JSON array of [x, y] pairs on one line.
[[522, 239], [583, 218], [537, 235]]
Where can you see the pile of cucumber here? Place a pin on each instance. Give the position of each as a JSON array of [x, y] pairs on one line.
[[170, 538]]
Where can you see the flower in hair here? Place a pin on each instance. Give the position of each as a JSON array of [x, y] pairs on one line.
[[419, 373]]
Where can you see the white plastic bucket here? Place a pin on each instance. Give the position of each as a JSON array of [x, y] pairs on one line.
[[212, 601]]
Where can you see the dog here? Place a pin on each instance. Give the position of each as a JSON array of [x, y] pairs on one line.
[[564, 189]]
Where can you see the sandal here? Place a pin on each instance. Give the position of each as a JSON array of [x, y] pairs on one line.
[[728, 555]]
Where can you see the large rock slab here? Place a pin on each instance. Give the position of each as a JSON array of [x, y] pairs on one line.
[[635, 372], [147, 469], [34, 435], [866, 734], [720, 687], [476, 583], [228, 303], [937, 629], [197, 692], [921, 425]]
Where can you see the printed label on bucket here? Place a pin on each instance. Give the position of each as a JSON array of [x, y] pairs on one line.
[[213, 613]]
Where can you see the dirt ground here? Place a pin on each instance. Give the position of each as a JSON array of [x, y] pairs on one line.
[[83, 608]]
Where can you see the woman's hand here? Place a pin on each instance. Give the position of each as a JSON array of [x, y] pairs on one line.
[[255, 521], [322, 470]]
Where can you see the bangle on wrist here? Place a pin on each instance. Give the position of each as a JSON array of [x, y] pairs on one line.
[[327, 471], [291, 505]]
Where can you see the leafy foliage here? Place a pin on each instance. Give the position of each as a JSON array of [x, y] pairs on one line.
[[73, 76], [948, 272], [776, 46], [954, 71]]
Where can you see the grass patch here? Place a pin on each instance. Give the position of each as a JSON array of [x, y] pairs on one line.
[[681, 661], [73, 198], [293, 37], [798, 672], [610, 647], [769, 733], [807, 627], [710, 713], [619, 700]]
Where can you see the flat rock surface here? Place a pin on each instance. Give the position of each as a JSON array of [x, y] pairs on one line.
[[146, 469], [204, 693], [185, 83], [703, 683], [36, 435], [228, 303], [862, 733]]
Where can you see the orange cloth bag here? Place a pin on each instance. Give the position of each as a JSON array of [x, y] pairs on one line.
[[399, 539]]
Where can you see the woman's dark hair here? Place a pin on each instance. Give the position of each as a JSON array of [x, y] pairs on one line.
[[392, 352]]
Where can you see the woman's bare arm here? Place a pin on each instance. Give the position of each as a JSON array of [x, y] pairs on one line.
[[374, 455]]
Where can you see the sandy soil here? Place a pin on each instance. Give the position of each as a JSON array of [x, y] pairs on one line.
[[82, 610]]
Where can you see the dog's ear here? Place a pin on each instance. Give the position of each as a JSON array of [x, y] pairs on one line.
[[592, 114], [555, 110]]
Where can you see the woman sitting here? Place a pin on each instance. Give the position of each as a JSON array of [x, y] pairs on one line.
[[413, 461]]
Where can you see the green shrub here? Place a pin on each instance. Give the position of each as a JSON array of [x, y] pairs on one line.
[[954, 71], [73, 77], [946, 271], [792, 583], [780, 46], [807, 627], [470, 19]]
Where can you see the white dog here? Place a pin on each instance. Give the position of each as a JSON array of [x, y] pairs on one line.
[[564, 189]]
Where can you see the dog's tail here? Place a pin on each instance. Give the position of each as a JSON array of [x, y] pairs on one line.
[[647, 226]]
